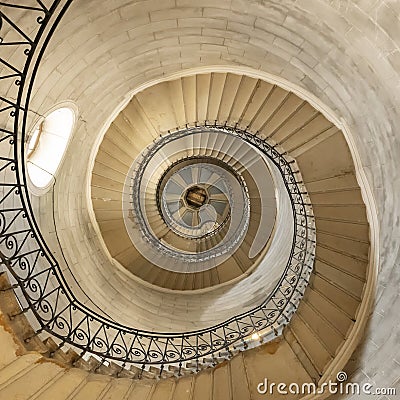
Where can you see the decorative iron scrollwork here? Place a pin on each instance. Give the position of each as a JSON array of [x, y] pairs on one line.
[[32, 267]]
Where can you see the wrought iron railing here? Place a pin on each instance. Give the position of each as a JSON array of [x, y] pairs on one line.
[[35, 274], [226, 246]]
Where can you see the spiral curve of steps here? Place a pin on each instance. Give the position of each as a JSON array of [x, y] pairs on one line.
[[336, 299], [326, 314]]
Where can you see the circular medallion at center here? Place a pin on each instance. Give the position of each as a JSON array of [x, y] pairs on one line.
[[196, 200], [196, 197]]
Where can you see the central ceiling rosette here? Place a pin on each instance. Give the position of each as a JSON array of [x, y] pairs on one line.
[[189, 214]]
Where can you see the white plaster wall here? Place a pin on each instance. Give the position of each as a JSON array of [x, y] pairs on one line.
[[346, 53]]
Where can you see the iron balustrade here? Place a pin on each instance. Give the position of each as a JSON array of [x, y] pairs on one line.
[[36, 275], [224, 247]]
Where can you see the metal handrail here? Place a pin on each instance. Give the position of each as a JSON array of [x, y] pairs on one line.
[[223, 247], [35, 272]]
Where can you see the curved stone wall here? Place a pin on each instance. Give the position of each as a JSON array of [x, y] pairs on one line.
[[345, 53]]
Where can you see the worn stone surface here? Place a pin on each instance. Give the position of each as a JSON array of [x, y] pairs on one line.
[[346, 53]]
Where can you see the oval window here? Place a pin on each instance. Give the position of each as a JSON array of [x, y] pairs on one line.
[[47, 145]]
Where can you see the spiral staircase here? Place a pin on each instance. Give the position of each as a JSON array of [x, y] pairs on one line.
[[208, 230]]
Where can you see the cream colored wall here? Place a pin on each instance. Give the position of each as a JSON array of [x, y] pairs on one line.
[[344, 53]]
